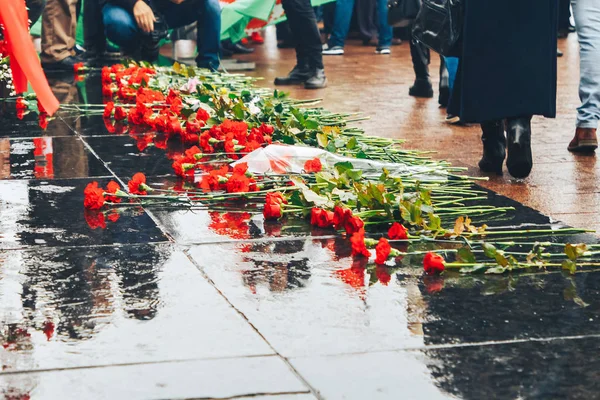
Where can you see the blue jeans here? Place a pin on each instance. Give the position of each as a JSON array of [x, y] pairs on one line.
[[121, 28], [587, 23], [343, 17]]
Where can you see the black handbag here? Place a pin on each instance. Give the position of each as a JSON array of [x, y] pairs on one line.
[[439, 25], [402, 12]]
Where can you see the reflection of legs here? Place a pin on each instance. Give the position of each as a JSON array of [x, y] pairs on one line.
[[587, 23], [420, 57]]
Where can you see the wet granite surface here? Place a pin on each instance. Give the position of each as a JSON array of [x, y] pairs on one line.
[[167, 303]]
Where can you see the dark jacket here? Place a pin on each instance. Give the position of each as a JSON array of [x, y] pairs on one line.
[[508, 60]]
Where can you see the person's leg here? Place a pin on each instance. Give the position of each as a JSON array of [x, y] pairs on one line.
[[208, 15], [386, 32], [341, 23], [366, 17], [121, 28], [94, 40], [58, 30], [420, 58], [587, 23], [35, 9], [209, 35], [303, 26]]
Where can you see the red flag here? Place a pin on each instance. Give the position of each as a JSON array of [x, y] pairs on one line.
[[24, 61]]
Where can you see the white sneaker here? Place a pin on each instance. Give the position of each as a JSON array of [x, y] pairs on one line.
[[383, 50], [334, 51]]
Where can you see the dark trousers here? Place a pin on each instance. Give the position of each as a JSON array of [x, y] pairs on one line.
[[303, 26], [564, 14], [366, 18], [94, 40]]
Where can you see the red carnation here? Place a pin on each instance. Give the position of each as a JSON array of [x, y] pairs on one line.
[[267, 129], [21, 104], [353, 224], [382, 250], [202, 115], [112, 188], [108, 109], [275, 198], [93, 196], [358, 244], [238, 184], [120, 113], [79, 67], [433, 263], [137, 184], [314, 216], [325, 219], [397, 231], [313, 165], [272, 211], [240, 169], [340, 216], [43, 120]]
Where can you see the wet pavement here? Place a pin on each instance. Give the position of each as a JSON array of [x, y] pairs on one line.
[[155, 303]]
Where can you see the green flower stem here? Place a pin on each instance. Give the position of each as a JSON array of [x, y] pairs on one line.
[[529, 231]]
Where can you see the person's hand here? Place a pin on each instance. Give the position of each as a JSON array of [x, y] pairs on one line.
[[144, 16], [177, 1]]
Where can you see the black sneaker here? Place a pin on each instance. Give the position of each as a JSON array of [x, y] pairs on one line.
[[66, 64], [317, 80], [297, 76]]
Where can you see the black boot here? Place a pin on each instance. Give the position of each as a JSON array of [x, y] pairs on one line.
[[317, 80], [297, 76], [494, 147], [520, 160]]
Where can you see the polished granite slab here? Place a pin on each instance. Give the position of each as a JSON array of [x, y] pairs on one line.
[[110, 305], [51, 213]]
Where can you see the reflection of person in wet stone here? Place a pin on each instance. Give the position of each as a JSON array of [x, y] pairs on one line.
[[281, 275], [76, 286], [474, 309]]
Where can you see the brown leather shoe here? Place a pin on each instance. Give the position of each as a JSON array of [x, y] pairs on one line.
[[585, 140]]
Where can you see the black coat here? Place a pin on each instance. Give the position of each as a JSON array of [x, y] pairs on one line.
[[508, 60]]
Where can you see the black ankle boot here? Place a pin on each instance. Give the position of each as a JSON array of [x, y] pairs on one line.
[[520, 160], [494, 147], [298, 75], [421, 88]]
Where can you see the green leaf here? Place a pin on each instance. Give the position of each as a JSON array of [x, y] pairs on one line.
[[299, 116], [362, 155], [354, 174], [233, 96], [465, 255], [500, 259], [574, 252], [238, 111], [496, 270], [489, 250], [278, 108], [322, 139], [352, 143], [296, 199], [343, 166], [435, 222], [331, 147], [569, 265], [314, 198], [311, 124]]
